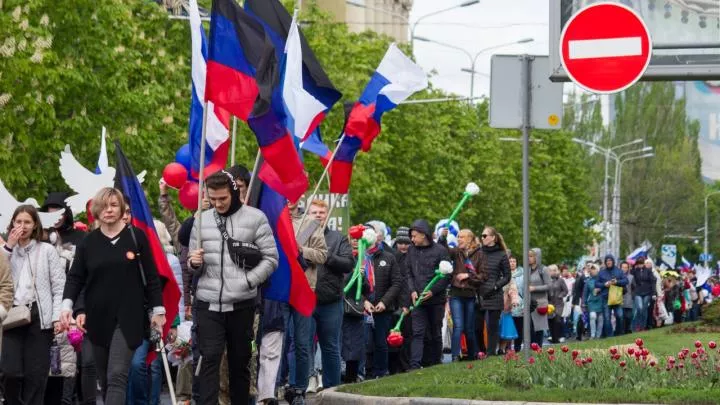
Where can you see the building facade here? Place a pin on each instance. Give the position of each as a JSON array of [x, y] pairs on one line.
[[388, 17]]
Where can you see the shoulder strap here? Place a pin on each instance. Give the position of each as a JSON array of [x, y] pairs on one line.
[[137, 255], [221, 226]]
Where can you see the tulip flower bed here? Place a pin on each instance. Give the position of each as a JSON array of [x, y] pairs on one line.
[[652, 367]]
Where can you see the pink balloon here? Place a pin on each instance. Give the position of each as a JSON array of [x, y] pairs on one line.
[[188, 195], [175, 175]]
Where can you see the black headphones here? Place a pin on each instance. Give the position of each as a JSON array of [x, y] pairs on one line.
[[232, 180]]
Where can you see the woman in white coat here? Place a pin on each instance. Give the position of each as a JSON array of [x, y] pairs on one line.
[[38, 277]]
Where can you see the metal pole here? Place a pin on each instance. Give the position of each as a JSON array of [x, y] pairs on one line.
[[472, 80], [198, 220], [526, 98], [605, 201], [705, 244], [616, 218], [232, 141], [322, 177]]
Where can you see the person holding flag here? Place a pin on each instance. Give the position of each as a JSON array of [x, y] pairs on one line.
[[114, 267], [237, 254]]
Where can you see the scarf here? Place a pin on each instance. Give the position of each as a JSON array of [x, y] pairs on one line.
[[469, 266], [369, 267]]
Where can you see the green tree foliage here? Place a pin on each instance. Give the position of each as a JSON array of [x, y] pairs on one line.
[[123, 64], [661, 195]]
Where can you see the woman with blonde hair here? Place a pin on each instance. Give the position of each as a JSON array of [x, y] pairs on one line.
[[469, 270], [38, 276], [114, 267]]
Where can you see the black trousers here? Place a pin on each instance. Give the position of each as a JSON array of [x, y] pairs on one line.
[[493, 330], [113, 366], [399, 358], [517, 344], [215, 330], [427, 318], [25, 362], [556, 328]]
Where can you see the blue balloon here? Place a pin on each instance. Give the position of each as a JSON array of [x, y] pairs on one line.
[[182, 156]]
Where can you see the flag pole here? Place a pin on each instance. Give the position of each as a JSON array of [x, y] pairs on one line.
[[200, 177], [232, 142], [253, 175], [322, 177]]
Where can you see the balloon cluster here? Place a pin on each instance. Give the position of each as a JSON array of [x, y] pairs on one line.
[[179, 175]]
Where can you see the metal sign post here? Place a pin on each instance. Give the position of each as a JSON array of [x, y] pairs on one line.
[[530, 102]]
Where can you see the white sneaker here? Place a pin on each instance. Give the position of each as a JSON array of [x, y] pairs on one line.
[[319, 381], [561, 340], [312, 385]]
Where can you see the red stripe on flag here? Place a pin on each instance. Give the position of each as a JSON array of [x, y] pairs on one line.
[[302, 297], [313, 124], [171, 290], [372, 130], [283, 170], [230, 89], [340, 176]]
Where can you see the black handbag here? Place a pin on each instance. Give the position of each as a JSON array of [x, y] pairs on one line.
[[244, 254], [352, 308]]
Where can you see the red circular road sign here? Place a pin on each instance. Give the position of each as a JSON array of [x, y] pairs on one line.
[[605, 47]]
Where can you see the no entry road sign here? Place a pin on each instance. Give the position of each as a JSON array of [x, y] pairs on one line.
[[605, 47]]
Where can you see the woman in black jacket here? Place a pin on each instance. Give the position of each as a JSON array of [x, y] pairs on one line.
[[490, 292], [107, 270]]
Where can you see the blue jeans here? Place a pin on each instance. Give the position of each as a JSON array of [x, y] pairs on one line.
[[462, 310], [607, 320], [327, 323], [641, 312], [138, 390], [301, 336]]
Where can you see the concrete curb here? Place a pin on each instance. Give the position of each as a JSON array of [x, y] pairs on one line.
[[333, 397]]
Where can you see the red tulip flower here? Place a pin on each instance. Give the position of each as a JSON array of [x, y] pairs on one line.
[[613, 350], [639, 342], [565, 348], [694, 355], [589, 359], [630, 351], [534, 347], [698, 344], [652, 363], [575, 353], [712, 344], [395, 339], [551, 351], [623, 364], [531, 360]]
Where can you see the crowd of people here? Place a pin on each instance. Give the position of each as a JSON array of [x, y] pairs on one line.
[[83, 308]]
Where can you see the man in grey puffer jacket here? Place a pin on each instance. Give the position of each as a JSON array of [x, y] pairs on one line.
[[226, 292]]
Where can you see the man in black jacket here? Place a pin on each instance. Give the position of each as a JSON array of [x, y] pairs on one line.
[[578, 288], [399, 358], [328, 313], [423, 258]]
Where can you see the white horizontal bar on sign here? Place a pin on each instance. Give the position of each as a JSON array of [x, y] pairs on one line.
[[605, 48]]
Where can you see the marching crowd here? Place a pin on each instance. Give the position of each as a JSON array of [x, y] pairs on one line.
[[82, 308]]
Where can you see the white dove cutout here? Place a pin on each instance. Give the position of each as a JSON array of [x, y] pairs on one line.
[[83, 182], [8, 203]]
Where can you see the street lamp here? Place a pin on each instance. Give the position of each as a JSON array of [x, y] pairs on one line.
[[618, 190], [471, 58], [705, 244], [609, 153], [474, 60], [463, 4]]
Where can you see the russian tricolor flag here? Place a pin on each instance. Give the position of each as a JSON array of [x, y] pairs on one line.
[[315, 145], [396, 79], [218, 120], [142, 219]]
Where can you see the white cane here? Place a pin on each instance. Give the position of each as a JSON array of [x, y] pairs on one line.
[[161, 351]]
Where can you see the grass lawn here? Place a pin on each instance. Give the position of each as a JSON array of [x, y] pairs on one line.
[[456, 380]]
